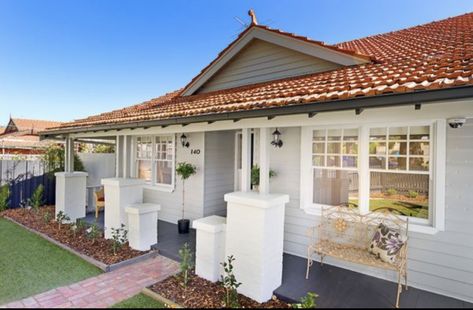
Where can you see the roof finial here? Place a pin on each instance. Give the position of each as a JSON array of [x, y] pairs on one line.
[[254, 21]]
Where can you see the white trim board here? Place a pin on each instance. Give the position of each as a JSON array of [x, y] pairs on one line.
[[441, 110]]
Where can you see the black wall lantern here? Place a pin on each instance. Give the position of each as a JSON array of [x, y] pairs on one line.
[[277, 142], [184, 141]]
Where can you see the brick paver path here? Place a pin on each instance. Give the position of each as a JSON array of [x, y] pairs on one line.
[[104, 290]]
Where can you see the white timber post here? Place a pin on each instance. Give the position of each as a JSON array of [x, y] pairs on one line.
[[364, 169], [264, 161], [246, 160], [125, 156], [118, 156], [69, 155]]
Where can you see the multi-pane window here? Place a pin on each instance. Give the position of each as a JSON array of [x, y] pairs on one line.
[[399, 159], [155, 159], [144, 157], [335, 166], [164, 159], [398, 168]]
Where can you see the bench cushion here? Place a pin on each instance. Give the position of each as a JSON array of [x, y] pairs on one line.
[[386, 244], [351, 254]]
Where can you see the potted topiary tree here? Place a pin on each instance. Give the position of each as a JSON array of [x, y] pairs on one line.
[[184, 170]]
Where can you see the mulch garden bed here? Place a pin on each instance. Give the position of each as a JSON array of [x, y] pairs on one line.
[[201, 293], [100, 248]]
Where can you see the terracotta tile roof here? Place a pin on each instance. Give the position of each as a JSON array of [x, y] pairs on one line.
[[34, 124], [427, 57], [2, 129]]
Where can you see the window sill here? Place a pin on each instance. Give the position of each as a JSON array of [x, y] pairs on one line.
[[160, 188], [413, 227]]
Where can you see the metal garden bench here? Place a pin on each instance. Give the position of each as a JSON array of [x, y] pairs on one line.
[[345, 234]]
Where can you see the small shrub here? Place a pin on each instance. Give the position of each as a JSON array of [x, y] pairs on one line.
[[93, 233], [391, 192], [74, 229], [119, 238], [230, 284], [61, 218], [47, 217], [255, 175], [36, 199], [4, 197], [186, 264], [412, 194], [307, 301], [81, 225]]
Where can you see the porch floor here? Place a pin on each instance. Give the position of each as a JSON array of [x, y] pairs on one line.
[[336, 287]]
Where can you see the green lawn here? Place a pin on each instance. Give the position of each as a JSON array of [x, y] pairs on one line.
[[139, 301], [30, 264], [418, 209]]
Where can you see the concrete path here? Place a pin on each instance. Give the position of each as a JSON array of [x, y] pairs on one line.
[[104, 290]]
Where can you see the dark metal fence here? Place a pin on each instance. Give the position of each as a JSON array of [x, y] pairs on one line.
[[23, 177]]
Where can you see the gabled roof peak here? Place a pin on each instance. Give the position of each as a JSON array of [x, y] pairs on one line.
[[317, 49]]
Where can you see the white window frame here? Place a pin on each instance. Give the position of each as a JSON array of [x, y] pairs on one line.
[[153, 184], [326, 154], [436, 221]]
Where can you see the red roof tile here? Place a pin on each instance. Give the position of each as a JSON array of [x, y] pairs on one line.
[[33, 124], [431, 56]]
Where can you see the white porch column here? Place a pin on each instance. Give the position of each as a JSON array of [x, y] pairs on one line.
[[71, 194], [119, 194], [246, 160], [264, 160], [210, 247], [118, 157], [142, 225], [255, 237]]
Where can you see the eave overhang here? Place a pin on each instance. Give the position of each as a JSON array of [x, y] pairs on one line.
[[358, 104]]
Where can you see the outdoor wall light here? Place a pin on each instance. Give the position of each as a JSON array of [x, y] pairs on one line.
[[277, 142], [184, 141]]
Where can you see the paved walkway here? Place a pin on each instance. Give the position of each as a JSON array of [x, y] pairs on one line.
[[104, 290]]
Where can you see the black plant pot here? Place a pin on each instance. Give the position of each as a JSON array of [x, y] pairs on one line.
[[183, 226]]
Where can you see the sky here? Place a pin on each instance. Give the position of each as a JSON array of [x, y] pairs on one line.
[[64, 60]]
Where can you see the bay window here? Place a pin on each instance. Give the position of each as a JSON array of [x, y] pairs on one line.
[[155, 160], [397, 168]]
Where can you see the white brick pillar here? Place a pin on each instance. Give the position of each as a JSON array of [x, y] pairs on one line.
[[210, 247], [142, 225], [255, 237], [119, 194], [71, 193]]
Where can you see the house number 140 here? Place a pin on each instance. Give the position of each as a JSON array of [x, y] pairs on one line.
[[195, 152]]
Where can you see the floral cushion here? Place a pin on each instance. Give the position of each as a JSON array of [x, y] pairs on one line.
[[386, 243]]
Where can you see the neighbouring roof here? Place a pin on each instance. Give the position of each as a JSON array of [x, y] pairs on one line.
[[23, 141], [27, 124], [2, 129], [437, 55]]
